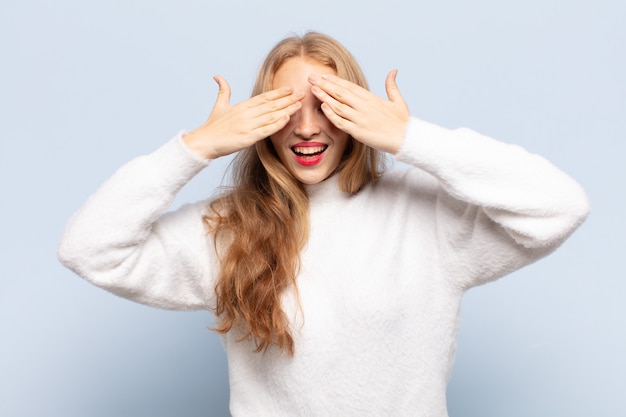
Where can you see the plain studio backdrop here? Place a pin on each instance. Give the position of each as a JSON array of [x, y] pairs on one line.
[[87, 85]]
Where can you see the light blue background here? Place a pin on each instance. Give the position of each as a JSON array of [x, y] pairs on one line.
[[86, 85]]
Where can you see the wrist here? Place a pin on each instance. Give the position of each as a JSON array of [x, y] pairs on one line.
[[198, 146]]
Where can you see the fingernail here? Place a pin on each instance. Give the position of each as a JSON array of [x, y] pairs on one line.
[[313, 78]]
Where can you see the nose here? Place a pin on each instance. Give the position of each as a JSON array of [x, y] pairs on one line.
[[307, 122]]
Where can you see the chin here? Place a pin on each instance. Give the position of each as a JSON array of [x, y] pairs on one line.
[[310, 178]]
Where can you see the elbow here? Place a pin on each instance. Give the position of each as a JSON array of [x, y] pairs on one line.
[[546, 226], [555, 226], [574, 212], [571, 210], [567, 211], [68, 253], [579, 212], [79, 253]]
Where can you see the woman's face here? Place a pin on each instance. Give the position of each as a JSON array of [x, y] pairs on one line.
[[310, 146]]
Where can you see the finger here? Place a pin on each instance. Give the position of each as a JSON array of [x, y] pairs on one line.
[[391, 87], [340, 109], [260, 106], [328, 79], [274, 120], [285, 113], [341, 123], [340, 89], [273, 123], [270, 96], [283, 102], [223, 94]]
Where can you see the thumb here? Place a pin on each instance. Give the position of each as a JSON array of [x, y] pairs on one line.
[[391, 87], [223, 95]]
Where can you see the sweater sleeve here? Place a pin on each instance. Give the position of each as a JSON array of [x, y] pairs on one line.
[[120, 239], [499, 208]]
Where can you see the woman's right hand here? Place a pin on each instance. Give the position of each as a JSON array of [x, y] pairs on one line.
[[232, 128]]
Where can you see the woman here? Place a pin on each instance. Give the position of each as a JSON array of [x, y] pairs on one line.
[[336, 287]]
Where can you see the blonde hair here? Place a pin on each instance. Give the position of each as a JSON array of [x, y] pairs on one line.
[[264, 217]]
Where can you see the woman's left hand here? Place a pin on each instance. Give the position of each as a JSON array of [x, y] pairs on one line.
[[370, 119]]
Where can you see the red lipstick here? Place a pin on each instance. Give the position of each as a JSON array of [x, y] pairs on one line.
[[309, 153]]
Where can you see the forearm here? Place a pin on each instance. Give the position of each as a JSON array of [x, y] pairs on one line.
[[535, 202], [116, 240]]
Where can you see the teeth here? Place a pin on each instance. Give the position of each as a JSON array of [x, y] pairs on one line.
[[309, 150]]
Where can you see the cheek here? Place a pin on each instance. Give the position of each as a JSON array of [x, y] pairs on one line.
[[278, 141], [345, 143], [279, 137], [333, 130]]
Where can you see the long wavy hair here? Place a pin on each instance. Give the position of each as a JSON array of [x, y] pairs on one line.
[[261, 223]]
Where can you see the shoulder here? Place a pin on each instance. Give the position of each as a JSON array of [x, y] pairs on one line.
[[187, 218], [400, 188], [406, 180]]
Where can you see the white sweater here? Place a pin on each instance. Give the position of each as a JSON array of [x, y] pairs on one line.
[[382, 275]]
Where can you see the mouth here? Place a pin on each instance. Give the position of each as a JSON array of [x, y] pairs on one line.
[[309, 154], [309, 151]]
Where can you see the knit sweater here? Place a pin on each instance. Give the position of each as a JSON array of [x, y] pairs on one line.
[[382, 274]]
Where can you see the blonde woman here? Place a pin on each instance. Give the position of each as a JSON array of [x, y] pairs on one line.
[[336, 286]]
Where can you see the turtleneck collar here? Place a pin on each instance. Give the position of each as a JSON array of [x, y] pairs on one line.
[[327, 189]]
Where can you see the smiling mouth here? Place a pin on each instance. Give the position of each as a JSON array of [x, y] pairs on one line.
[[309, 151]]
